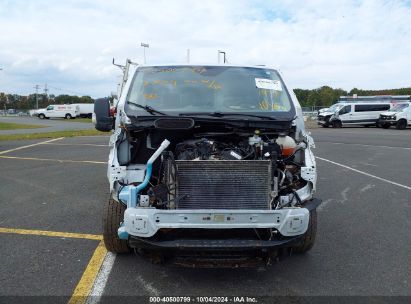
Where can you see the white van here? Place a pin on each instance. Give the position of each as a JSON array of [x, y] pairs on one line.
[[399, 116], [59, 111], [231, 134], [354, 113]]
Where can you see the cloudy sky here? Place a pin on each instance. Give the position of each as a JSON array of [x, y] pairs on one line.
[[70, 44]]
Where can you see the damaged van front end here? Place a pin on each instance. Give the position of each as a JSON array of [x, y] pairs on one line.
[[210, 164]]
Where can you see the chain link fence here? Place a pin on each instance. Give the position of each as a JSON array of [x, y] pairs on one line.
[[15, 112]]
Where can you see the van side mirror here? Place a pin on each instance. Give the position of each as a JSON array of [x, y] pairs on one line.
[[104, 121]]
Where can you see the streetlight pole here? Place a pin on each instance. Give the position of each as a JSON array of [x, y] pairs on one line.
[[221, 52], [145, 45]]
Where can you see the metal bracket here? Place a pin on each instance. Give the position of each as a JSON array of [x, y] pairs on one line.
[[308, 174], [117, 173]]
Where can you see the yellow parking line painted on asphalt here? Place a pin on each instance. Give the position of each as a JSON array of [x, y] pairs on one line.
[[28, 146], [86, 282], [85, 236], [54, 160]]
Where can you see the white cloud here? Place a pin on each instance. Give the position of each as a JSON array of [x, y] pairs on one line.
[[70, 45]]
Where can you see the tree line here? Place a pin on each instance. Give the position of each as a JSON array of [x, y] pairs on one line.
[[326, 96], [14, 101], [320, 97]]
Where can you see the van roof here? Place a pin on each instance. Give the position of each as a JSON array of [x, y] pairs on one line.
[[375, 98], [374, 102]]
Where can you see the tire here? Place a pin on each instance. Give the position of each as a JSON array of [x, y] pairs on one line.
[[337, 124], [68, 116], [42, 116], [401, 124], [385, 125], [308, 239], [113, 215]]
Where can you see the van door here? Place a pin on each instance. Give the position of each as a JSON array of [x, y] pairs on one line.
[[407, 111], [50, 112], [345, 114]]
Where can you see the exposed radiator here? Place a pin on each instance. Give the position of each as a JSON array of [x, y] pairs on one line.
[[223, 184]]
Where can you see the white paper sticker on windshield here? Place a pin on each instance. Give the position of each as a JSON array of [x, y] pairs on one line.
[[268, 84]]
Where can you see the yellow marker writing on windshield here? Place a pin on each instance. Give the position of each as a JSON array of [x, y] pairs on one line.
[[264, 105], [151, 96]]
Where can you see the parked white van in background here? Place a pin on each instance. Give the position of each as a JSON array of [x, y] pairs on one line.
[[59, 111], [399, 116], [355, 113]]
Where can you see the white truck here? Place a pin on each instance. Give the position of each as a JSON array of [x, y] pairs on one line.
[[85, 109], [399, 116], [58, 111]]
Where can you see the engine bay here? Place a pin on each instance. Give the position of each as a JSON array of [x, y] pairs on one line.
[[252, 169]]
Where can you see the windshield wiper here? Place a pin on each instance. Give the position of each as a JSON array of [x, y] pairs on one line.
[[219, 114], [147, 108]]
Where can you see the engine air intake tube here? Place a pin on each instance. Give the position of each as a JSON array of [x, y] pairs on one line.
[[149, 169]]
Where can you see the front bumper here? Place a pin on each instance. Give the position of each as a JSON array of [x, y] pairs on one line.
[[386, 121], [146, 222]]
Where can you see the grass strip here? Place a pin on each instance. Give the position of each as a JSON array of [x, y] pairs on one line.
[[15, 126], [57, 134]]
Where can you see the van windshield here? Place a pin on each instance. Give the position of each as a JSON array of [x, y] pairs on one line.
[[335, 107], [399, 107], [205, 89]]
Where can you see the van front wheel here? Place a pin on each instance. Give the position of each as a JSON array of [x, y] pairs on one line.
[[68, 116], [113, 215], [337, 124], [401, 124]]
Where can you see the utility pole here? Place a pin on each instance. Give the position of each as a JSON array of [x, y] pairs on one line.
[[145, 45], [37, 87], [46, 90], [188, 55]]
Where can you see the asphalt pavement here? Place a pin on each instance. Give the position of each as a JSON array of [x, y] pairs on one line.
[[363, 238]]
